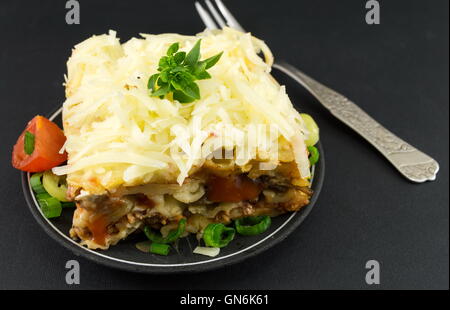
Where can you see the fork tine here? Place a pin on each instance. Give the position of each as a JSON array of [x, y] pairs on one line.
[[216, 14], [231, 21], [206, 18]]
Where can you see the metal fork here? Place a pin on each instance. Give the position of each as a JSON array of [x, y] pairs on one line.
[[409, 161]]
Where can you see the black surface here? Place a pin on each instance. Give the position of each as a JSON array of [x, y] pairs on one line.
[[396, 71]]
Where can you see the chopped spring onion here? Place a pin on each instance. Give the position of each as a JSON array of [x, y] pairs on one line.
[[202, 250], [171, 237], [313, 155], [252, 225], [50, 206], [68, 204], [160, 248], [55, 185], [36, 183], [144, 246], [44, 195], [218, 235], [28, 145]]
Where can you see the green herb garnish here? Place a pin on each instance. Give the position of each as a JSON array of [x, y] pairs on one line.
[[178, 72], [28, 143], [50, 206]]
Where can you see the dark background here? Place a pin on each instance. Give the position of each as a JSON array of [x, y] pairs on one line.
[[397, 71]]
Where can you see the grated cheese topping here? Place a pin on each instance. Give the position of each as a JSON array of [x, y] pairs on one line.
[[118, 135]]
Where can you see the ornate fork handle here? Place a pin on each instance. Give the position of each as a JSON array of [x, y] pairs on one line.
[[412, 163]]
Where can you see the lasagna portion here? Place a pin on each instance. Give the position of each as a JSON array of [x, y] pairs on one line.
[[137, 160]]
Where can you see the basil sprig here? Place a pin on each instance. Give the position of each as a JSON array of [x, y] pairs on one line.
[[178, 72]]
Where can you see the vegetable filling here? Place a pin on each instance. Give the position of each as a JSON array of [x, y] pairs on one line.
[[166, 214]]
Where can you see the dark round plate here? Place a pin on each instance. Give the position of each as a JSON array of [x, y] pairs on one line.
[[125, 256]]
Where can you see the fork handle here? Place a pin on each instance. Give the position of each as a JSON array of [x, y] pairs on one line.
[[409, 161]]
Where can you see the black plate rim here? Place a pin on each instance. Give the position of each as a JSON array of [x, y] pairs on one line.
[[276, 237]]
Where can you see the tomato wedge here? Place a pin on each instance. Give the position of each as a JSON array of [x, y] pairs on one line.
[[48, 140]]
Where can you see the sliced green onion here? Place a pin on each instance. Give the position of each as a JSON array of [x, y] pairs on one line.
[[171, 237], [36, 183], [43, 196], [218, 235], [50, 206], [28, 145], [68, 204], [49, 188], [313, 155], [54, 185], [253, 225], [160, 248]]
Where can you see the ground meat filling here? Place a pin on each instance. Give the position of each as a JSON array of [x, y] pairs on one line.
[[226, 197]]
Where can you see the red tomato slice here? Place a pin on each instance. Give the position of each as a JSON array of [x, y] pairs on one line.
[[49, 139]]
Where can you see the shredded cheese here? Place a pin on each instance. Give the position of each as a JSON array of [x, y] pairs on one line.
[[117, 134]]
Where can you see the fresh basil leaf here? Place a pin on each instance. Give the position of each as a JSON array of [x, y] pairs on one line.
[[160, 83], [178, 69], [178, 84], [182, 97], [211, 61], [194, 55], [185, 75], [163, 90], [163, 63], [192, 90], [203, 76], [152, 81], [199, 68], [179, 57], [164, 75], [173, 49]]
